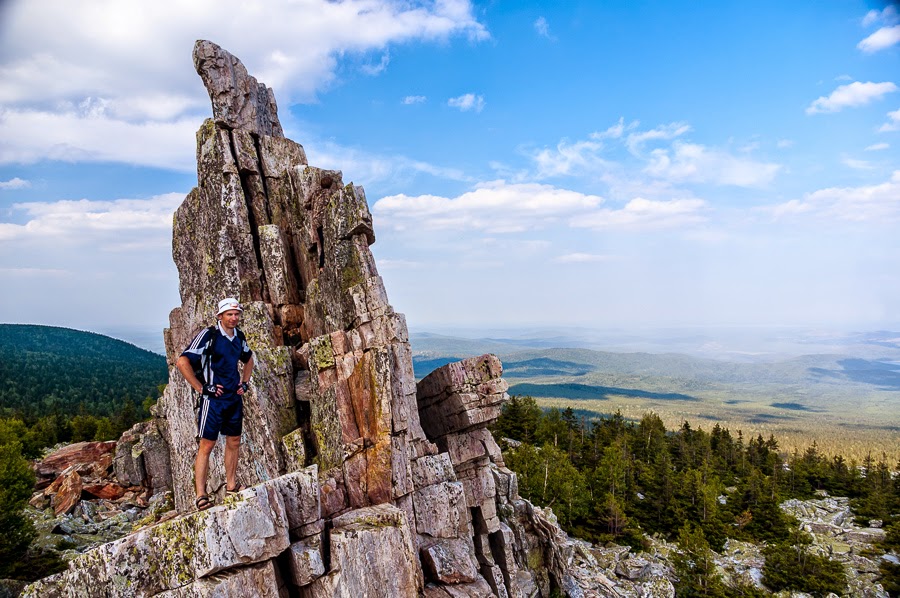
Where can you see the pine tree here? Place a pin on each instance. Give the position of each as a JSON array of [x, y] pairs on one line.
[[16, 483], [694, 565]]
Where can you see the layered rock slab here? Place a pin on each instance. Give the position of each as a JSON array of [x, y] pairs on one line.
[[251, 529]]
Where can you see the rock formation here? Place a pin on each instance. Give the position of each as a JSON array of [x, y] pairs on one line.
[[361, 482]]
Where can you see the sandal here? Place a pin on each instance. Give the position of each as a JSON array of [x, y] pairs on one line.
[[202, 503], [235, 491]]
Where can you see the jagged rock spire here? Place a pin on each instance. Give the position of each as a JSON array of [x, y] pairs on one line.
[[239, 101], [362, 483]]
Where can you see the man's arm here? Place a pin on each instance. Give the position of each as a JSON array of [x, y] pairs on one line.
[[246, 371], [184, 366]]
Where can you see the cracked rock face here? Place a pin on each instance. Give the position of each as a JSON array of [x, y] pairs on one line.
[[361, 482]]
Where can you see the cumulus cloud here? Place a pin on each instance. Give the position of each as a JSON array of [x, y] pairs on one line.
[[869, 203], [881, 39], [54, 54], [494, 207], [568, 158], [92, 223], [850, 96], [645, 214], [15, 183], [414, 100], [691, 162], [467, 102], [887, 35], [893, 123], [875, 147], [29, 135], [670, 161]]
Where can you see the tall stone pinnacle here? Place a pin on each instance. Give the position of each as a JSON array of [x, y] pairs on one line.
[[361, 482], [238, 100]]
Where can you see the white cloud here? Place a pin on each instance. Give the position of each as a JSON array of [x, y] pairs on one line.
[[615, 131], [28, 135], [414, 100], [542, 27], [645, 214], [869, 203], [679, 162], [784, 143], [467, 102], [636, 141], [893, 123], [496, 207], [875, 147], [851, 95], [364, 167], [15, 183], [857, 164], [888, 16], [121, 51], [134, 60], [581, 258], [568, 158], [690, 162], [92, 223], [881, 39]]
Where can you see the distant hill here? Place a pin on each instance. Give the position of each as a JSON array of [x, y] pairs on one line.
[[46, 369]]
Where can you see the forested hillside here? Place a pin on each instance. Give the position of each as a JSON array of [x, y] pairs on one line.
[[62, 385], [609, 479], [48, 370]]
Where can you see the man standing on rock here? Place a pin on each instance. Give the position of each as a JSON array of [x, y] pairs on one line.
[[224, 359]]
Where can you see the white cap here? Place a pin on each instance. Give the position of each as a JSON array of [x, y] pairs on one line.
[[229, 303]]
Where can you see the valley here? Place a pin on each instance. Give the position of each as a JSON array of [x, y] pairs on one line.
[[848, 404]]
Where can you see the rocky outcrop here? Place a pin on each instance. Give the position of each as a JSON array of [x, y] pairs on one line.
[[142, 458], [829, 521], [361, 483]]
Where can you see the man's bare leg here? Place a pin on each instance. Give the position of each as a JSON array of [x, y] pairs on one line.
[[201, 465], [232, 446]]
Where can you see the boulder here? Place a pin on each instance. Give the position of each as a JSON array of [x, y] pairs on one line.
[[81, 454], [67, 493], [165, 557], [448, 561], [372, 555]]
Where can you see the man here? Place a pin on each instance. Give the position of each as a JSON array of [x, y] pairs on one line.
[[226, 362]]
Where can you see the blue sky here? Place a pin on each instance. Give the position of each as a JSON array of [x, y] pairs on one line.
[[598, 164]]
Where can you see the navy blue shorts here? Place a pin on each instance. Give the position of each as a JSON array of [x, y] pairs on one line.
[[220, 415]]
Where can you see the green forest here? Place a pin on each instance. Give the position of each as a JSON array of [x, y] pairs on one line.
[[60, 385], [67, 385], [614, 480]]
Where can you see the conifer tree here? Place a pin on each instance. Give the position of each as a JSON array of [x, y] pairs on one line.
[[694, 565]]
